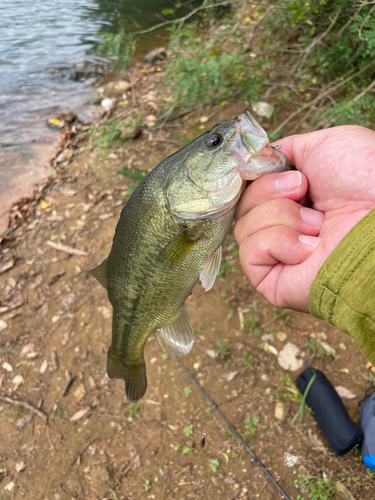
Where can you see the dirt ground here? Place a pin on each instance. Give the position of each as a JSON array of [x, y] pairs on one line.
[[56, 325]]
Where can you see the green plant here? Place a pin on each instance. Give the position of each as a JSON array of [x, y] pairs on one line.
[[222, 348], [186, 450], [117, 47], [214, 464], [246, 356], [317, 487], [281, 314], [176, 446], [230, 314], [147, 485], [132, 409], [188, 431], [251, 426], [165, 356], [315, 348], [250, 322], [206, 69], [188, 390]]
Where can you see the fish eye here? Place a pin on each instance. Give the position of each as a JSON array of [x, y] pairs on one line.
[[213, 140]]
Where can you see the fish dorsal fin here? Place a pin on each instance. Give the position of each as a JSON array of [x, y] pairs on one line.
[[100, 273], [179, 247], [210, 270], [177, 336]]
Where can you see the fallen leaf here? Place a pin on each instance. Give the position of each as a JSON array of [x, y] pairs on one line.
[[287, 358], [315, 441], [343, 392], [79, 414]]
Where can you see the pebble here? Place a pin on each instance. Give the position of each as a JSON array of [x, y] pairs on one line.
[[7, 367], [9, 486], [281, 336], [3, 325], [17, 381], [196, 366], [263, 109], [20, 466], [43, 367]]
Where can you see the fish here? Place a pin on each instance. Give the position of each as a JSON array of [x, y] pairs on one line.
[[170, 235]]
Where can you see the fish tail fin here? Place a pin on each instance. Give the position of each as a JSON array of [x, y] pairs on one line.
[[133, 374]]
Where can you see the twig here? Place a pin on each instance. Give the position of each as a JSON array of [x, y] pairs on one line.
[[320, 96], [25, 405], [350, 20], [184, 18], [168, 141], [49, 439], [364, 22], [318, 39], [69, 380], [63, 248], [80, 453]]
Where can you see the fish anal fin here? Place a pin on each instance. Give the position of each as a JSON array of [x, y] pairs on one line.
[[179, 247], [210, 270], [134, 375], [100, 273], [177, 336]]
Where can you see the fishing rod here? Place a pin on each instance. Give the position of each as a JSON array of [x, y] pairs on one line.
[[254, 459]]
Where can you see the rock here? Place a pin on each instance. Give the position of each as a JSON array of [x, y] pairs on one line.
[[43, 367], [229, 480], [281, 336], [91, 382], [122, 85], [107, 104], [263, 109], [80, 392], [211, 353], [20, 466], [344, 393], [156, 55], [3, 325], [279, 410], [268, 337], [229, 376], [321, 336], [21, 422], [7, 367], [10, 486], [196, 366], [290, 460], [17, 381], [287, 358], [105, 311], [130, 127]]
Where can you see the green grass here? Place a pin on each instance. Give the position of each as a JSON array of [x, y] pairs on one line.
[[251, 426], [214, 464], [250, 323], [316, 487], [133, 409], [222, 349]]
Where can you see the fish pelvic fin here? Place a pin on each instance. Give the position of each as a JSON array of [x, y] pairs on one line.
[[100, 273], [178, 335], [133, 374], [211, 270]]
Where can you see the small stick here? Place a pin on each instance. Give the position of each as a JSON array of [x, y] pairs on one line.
[[54, 359], [69, 380], [25, 405], [64, 248], [80, 453]]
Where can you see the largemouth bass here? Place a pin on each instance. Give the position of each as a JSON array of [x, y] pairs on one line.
[[169, 236]]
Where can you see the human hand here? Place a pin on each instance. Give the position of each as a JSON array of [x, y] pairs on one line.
[[282, 243]]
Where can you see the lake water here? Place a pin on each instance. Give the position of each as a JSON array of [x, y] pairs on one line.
[[47, 64]]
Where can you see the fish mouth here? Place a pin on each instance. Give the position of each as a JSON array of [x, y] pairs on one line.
[[249, 142]]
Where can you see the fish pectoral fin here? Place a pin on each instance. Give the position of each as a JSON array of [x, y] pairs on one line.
[[134, 375], [210, 270], [100, 273], [179, 247], [177, 336]]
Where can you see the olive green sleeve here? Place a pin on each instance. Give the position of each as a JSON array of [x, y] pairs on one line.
[[343, 292]]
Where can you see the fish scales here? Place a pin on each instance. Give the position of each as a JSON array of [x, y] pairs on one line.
[[169, 236]]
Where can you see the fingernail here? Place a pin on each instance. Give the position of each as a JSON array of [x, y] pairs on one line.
[[310, 241], [312, 217], [289, 181]]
